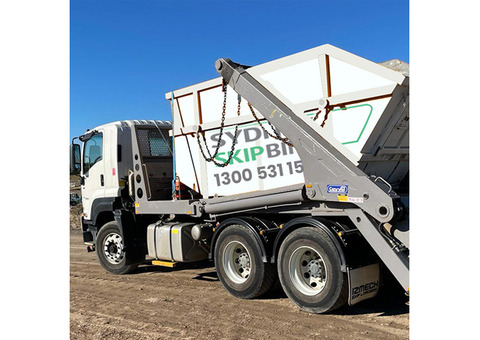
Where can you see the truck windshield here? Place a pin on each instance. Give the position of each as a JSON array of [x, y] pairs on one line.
[[93, 151]]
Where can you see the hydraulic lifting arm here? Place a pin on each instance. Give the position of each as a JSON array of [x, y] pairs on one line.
[[326, 167], [323, 164]]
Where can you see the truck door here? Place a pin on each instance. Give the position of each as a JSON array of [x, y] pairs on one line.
[[93, 171]]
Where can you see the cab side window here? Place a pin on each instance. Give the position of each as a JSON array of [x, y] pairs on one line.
[[93, 151]]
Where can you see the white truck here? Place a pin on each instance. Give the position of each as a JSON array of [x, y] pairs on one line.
[[300, 176]]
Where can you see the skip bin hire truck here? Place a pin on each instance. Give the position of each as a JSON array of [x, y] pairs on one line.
[[298, 174]]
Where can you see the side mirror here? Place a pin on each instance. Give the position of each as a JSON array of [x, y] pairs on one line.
[[74, 159]]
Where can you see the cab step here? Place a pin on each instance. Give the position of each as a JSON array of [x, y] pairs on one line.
[[169, 264]]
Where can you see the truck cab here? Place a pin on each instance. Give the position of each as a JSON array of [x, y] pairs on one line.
[[106, 164]]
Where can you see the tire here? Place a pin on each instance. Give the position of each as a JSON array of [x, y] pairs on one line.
[[239, 264], [109, 246], [309, 268]]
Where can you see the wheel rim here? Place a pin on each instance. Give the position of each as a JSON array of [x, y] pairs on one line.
[[236, 262], [307, 271], [113, 248]]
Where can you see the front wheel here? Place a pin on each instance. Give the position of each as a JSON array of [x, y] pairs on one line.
[[239, 264], [110, 250], [310, 271]]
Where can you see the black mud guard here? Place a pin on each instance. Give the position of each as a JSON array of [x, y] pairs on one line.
[[126, 225], [100, 205], [254, 224], [317, 222]]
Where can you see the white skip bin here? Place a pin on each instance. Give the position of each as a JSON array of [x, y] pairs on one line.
[[344, 96]]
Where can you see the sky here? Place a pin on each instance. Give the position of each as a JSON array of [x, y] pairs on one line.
[[126, 54]]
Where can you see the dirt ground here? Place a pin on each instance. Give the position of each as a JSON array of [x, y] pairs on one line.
[[189, 302]]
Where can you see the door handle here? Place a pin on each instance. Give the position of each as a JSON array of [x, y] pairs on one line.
[[130, 183], [101, 180]]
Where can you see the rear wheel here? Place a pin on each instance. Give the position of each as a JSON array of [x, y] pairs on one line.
[[110, 250], [239, 264], [310, 271]]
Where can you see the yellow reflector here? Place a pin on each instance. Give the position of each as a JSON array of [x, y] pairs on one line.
[[174, 231], [340, 233], [308, 185], [189, 212], [343, 198], [137, 204], [280, 226], [261, 232]]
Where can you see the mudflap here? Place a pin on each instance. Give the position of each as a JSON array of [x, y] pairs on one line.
[[133, 251], [363, 283], [89, 233]]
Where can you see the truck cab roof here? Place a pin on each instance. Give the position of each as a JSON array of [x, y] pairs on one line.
[[130, 123]]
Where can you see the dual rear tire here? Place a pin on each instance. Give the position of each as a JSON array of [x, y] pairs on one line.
[[238, 260], [310, 272], [308, 266]]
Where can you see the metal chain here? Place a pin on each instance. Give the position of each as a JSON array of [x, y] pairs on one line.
[[222, 124], [276, 136], [211, 157], [327, 111]]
